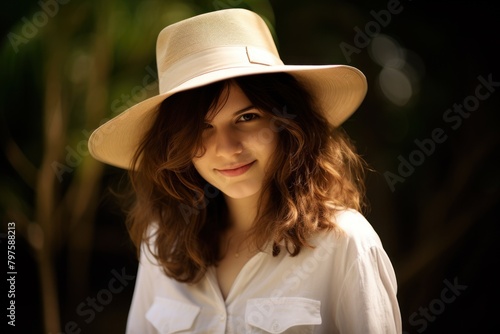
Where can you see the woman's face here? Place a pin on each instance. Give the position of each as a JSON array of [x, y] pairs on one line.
[[239, 141]]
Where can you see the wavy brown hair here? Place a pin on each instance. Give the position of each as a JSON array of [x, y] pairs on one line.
[[314, 173]]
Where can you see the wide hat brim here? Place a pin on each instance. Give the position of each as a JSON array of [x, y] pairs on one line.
[[338, 91]]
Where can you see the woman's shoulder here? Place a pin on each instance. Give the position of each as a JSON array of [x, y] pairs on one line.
[[354, 225], [148, 247], [352, 231]]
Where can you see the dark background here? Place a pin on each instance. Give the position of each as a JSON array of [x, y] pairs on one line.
[[65, 71]]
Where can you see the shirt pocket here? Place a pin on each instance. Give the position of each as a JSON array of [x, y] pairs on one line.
[[282, 315], [171, 316]]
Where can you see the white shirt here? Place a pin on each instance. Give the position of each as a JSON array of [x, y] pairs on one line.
[[346, 284]]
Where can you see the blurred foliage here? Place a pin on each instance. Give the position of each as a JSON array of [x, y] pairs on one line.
[[68, 67]]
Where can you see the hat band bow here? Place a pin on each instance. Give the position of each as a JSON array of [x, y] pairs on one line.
[[214, 59]]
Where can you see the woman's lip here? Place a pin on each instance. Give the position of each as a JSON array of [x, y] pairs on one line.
[[236, 171]]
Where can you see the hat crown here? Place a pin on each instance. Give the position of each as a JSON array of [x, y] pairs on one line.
[[193, 38]]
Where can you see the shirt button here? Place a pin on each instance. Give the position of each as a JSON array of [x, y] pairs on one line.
[[276, 327], [222, 317]]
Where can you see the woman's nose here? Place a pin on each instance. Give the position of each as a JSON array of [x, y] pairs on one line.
[[227, 143]]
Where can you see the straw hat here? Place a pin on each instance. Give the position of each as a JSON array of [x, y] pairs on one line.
[[216, 46]]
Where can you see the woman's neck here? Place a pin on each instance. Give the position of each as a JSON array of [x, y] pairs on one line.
[[242, 212]]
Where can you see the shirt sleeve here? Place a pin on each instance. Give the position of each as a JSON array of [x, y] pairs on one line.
[[143, 297], [367, 301]]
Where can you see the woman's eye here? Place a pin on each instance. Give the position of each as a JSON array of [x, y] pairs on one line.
[[248, 117], [207, 126]]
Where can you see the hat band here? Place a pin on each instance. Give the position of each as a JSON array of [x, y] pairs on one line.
[[215, 59]]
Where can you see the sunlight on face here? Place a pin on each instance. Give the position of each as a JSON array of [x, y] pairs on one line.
[[239, 143]]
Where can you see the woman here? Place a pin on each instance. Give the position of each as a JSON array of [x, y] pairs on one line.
[[247, 193]]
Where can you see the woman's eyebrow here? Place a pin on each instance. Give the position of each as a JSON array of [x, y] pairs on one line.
[[236, 113]]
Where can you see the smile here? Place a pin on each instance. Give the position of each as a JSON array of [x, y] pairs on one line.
[[236, 171]]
